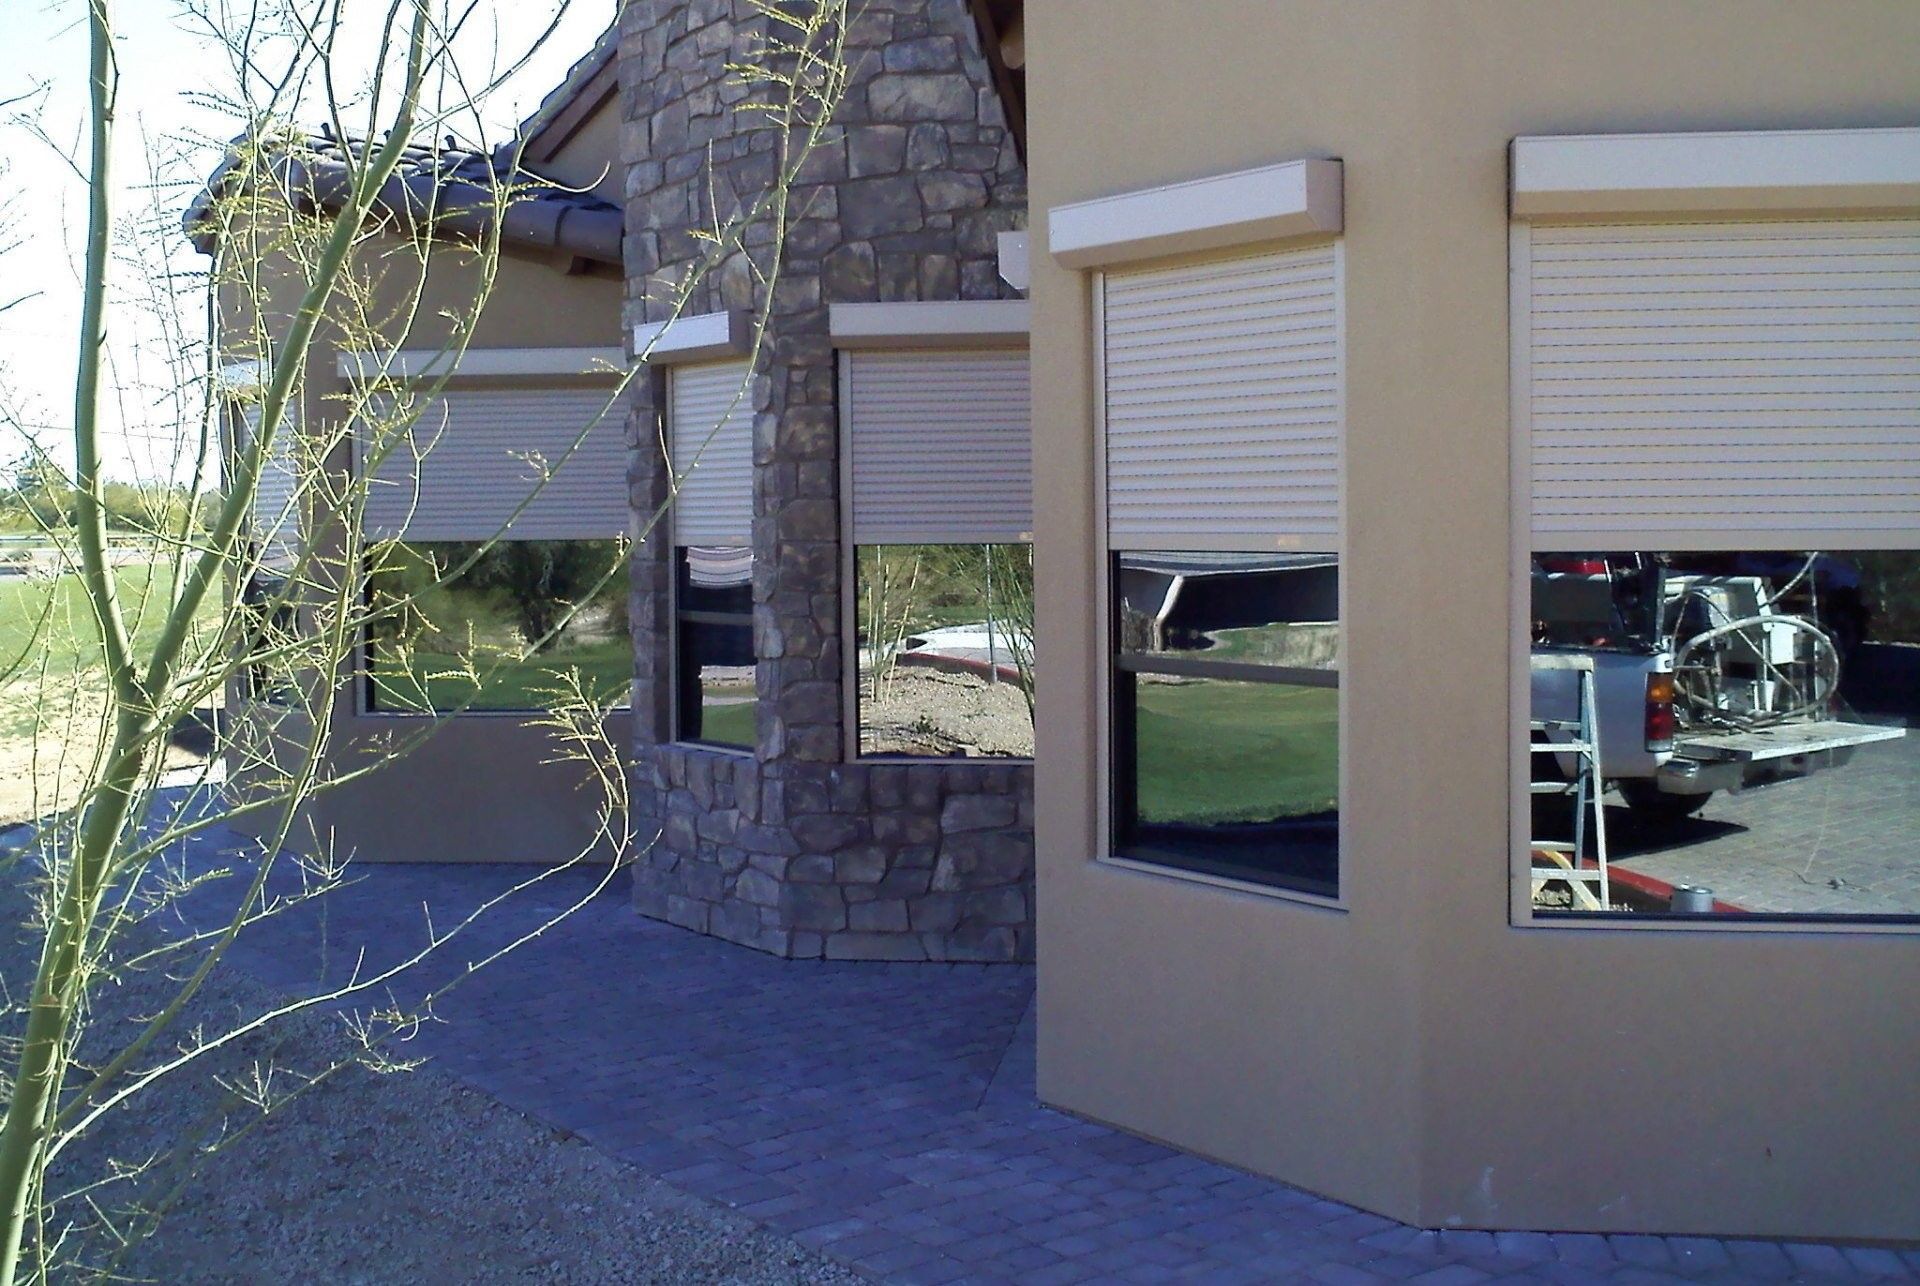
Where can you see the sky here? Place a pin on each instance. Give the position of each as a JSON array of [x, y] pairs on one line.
[[176, 87]]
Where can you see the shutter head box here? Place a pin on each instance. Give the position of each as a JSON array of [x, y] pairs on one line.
[[485, 453], [1715, 384], [1224, 402], [710, 412], [940, 447]]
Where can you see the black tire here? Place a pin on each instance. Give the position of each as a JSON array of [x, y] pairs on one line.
[[1648, 800]]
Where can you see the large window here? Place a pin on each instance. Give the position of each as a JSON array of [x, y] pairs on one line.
[[713, 603], [945, 654], [1750, 716], [1226, 718], [464, 625]]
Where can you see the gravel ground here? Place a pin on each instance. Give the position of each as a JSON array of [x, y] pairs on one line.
[[929, 712], [405, 1177]]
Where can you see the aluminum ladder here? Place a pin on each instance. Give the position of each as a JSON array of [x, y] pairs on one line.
[[1556, 860]]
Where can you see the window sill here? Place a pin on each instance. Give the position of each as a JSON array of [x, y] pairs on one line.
[[1275, 892]]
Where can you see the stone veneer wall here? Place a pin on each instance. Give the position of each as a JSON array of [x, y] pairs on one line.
[[790, 849]]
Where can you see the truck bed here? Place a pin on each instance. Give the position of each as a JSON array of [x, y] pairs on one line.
[[1780, 741]]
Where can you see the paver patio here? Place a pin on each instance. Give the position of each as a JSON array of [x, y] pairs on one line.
[[885, 1114]]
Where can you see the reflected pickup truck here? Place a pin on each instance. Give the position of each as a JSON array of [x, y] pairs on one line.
[[1703, 681]]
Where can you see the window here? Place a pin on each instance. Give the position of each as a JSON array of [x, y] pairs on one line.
[[1223, 419], [940, 517], [270, 623], [1226, 715], [713, 617], [945, 655], [1717, 444], [1752, 714], [463, 625]]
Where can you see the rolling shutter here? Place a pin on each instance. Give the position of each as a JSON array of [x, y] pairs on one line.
[[1224, 403], [941, 447], [485, 451], [275, 514], [1685, 381], [710, 449]]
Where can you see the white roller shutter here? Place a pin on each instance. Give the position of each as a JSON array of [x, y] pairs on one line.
[[485, 452], [275, 515], [710, 449], [941, 447], [1224, 403], [1685, 382]]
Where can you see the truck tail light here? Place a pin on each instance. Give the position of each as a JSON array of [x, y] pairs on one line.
[[1659, 712]]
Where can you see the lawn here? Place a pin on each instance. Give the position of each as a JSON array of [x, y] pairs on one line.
[[52, 679], [1216, 750], [606, 665]]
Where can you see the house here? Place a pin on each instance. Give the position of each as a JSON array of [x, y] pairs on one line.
[[1328, 329], [532, 377]]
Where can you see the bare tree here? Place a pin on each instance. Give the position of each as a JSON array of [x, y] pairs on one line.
[[234, 596]]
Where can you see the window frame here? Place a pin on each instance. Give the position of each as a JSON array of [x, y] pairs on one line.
[[1105, 689], [1520, 910]]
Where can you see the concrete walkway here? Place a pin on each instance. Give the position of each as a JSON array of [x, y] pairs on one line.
[[885, 1114]]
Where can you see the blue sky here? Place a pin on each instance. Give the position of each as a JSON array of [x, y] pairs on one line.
[[169, 69]]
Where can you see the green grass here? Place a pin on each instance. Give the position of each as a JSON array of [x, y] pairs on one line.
[[607, 667], [1217, 750], [68, 639], [730, 724]]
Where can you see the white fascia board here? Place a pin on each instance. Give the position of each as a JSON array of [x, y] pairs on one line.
[[416, 364], [1014, 267], [1272, 203], [698, 338], [986, 323], [1772, 171]]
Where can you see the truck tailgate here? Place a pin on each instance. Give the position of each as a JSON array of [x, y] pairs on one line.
[[1780, 740]]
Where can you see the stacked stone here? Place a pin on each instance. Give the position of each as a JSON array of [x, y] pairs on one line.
[[793, 850]]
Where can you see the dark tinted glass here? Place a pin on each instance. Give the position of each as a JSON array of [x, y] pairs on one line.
[[1227, 715], [714, 597]]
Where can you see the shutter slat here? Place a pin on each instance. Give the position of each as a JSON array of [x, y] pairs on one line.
[[941, 447], [1223, 400], [710, 449], [275, 517], [478, 465], [1743, 376]]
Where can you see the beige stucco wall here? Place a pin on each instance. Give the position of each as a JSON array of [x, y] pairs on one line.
[[477, 789], [1415, 1053]]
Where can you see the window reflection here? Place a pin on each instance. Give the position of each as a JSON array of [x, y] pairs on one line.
[[1226, 715], [714, 608], [1749, 715]]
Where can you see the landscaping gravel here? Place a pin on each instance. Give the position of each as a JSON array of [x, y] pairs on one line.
[[403, 1177]]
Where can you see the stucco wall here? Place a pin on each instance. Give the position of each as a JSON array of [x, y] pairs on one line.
[[788, 848], [479, 789], [1413, 1052]]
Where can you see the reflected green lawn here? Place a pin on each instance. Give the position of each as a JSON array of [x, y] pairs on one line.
[[1218, 750], [437, 681], [729, 722]]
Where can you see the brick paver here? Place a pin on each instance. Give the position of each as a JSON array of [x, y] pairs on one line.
[[885, 1113], [1837, 842]]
